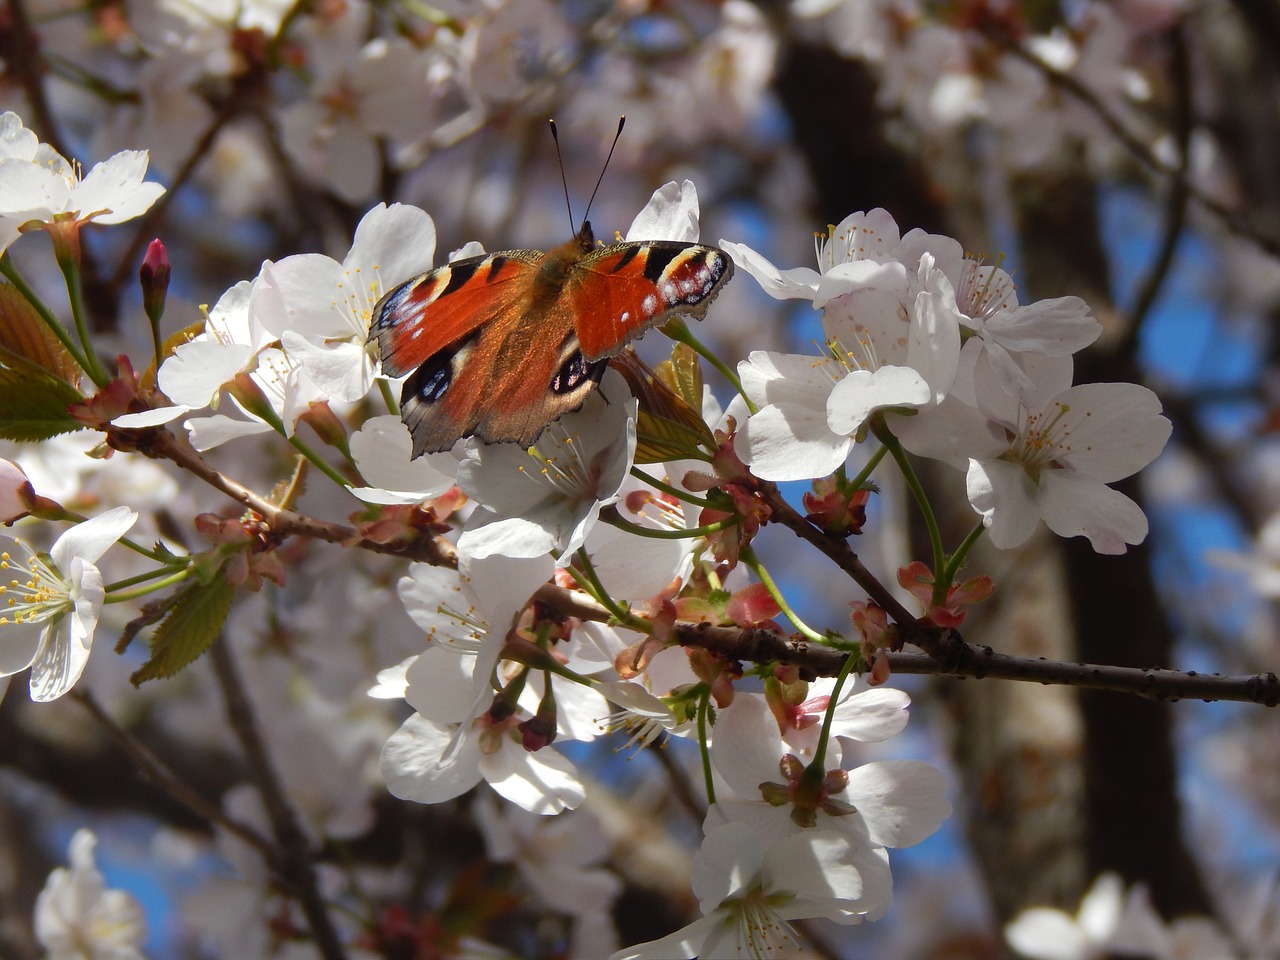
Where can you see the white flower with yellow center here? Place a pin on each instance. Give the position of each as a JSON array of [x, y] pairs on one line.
[[50, 605]]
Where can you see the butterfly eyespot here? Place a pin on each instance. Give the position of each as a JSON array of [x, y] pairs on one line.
[[574, 372]]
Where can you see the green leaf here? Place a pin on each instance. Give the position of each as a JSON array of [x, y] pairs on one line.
[[188, 631], [33, 406]]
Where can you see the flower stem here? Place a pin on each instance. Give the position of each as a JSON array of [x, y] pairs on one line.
[[141, 591], [92, 366], [615, 519], [704, 707], [748, 557], [828, 718], [865, 473], [586, 576], [679, 331], [917, 489], [665, 487], [389, 398], [10, 272], [956, 561]]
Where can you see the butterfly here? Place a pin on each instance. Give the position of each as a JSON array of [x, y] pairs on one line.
[[498, 346]]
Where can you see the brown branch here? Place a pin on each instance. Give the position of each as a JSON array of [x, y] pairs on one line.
[[1175, 210], [953, 658], [162, 444], [151, 769], [295, 861], [914, 630]]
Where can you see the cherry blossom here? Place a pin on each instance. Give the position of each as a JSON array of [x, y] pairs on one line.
[[1050, 457], [548, 498], [54, 608], [321, 309], [750, 890], [39, 187], [77, 917]]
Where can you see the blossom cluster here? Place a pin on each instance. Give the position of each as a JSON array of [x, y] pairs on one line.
[[564, 578]]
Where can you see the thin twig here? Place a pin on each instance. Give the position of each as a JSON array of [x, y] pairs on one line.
[[297, 863], [162, 444], [1234, 220], [1175, 210], [151, 769]]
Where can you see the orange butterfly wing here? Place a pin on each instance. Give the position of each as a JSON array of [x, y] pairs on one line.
[[498, 346], [618, 292]]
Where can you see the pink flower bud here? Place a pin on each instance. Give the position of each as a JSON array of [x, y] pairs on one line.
[[154, 277]]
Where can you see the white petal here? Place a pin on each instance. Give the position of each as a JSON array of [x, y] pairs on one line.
[[1005, 496], [116, 186], [816, 867], [1079, 506], [19, 643], [382, 449], [91, 539], [901, 801], [394, 244], [854, 398], [1114, 429], [542, 782], [747, 746], [429, 763], [341, 369], [197, 370], [670, 214], [209, 432], [684, 944], [1042, 933], [952, 432], [798, 283]]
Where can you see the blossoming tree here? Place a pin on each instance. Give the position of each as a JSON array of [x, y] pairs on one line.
[[638, 688]]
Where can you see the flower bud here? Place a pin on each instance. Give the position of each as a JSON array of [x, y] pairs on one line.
[[154, 277]]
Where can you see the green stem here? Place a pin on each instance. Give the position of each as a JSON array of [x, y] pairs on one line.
[[71, 273], [820, 752], [136, 592], [953, 565], [55, 326], [586, 576], [872, 462], [917, 489], [679, 331], [704, 707], [389, 398], [748, 557], [140, 578], [665, 487], [689, 533], [270, 417]]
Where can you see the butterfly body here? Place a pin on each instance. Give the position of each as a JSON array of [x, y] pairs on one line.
[[498, 346]]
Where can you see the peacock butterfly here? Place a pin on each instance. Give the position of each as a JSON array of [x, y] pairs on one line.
[[498, 346], [502, 344]]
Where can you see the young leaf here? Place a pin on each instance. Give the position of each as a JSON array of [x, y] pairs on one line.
[[24, 334], [33, 406], [190, 629]]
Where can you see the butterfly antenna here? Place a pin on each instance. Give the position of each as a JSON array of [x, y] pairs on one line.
[[555, 135], [621, 123]]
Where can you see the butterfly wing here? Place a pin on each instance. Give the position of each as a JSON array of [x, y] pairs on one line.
[[616, 293], [446, 329], [435, 312]]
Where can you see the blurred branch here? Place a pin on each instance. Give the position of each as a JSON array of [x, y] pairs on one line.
[[22, 57], [295, 860], [1175, 211], [153, 770], [1235, 221]]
